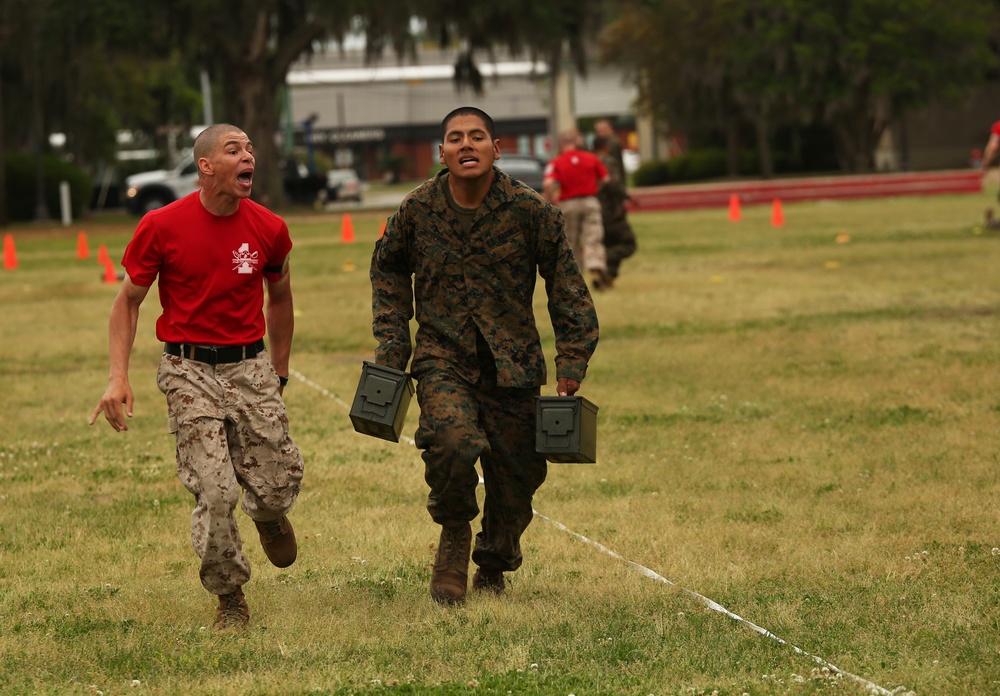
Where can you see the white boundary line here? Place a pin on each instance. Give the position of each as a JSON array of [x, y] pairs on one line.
[[653, 575], [715, 606]]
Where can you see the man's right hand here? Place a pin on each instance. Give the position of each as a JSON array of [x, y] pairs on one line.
[[119, 392]]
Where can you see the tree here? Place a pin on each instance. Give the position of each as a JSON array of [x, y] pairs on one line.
[[112, 64], [675, 51], [91, 75], [251, 50], [864, 63], [855, 65], [557, 32]]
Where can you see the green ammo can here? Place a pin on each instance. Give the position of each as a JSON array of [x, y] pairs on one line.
[[381, 401], [566, 429]]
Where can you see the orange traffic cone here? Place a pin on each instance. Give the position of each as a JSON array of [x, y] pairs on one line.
[[381, 230], [9, 253], [102, 255], [777, 217], [734, 208], [82, 250], [346, 229], [110, 274]]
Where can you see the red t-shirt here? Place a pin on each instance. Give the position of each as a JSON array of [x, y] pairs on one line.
[[211, 269], [995, 129], [578, 172]]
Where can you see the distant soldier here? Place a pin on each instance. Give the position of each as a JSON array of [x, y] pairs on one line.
[[212, 252], [614, 160], [619, 237], [466, 248]]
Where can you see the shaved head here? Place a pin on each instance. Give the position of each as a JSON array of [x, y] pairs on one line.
[[209, 139]]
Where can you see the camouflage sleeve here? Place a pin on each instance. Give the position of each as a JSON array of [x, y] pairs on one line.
[[392, 294], [571, 308]]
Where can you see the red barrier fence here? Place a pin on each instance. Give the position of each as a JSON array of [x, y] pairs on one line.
[[718, 195]]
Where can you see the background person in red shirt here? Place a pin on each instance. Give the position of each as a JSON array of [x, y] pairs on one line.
[[571, 181], [213, 251], [992, 146]]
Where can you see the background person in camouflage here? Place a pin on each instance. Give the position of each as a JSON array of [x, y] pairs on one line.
[[619, 237], [213, 251], [614, 160], [467, 248]]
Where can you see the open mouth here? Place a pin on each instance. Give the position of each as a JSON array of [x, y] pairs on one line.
[[245, 178], [468, 160]]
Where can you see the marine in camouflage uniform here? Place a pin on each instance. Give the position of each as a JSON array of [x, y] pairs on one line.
[[469, 274], [619, 237]]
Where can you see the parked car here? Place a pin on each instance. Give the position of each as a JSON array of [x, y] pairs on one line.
[[527, 169], [343, 185], [147, 191]]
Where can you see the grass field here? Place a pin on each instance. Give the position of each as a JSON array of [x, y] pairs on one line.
[[802, 430]]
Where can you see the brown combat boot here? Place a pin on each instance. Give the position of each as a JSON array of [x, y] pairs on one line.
[[450, 575], [601, 280], [489, 580], [278, 539], [232, 612]]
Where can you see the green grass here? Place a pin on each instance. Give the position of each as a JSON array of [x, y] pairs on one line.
[[804, 431]]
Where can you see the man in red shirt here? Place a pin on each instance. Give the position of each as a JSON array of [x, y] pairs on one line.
[[571, 181], [213, 252], [992, 146]]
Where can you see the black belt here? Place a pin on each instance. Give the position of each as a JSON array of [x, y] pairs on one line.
[[214, 355]]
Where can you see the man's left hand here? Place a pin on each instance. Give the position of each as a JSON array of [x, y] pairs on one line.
[[567, 387]]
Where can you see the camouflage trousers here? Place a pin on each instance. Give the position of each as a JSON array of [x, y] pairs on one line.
[[232, 435], [619, 244], [461, 423], [585, 231]]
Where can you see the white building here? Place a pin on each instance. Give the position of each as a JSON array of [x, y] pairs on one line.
[[360, 115]]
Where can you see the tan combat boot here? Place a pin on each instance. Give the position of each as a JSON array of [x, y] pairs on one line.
[[232, 612], [278, 540], [450, 575]]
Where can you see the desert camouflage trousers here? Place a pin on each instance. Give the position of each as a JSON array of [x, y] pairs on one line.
[[585, 231], [232, 435], [461, 423]]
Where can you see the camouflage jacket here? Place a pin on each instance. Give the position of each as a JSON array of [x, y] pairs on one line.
[[483, 279]]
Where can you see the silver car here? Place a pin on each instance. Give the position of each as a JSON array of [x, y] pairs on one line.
[[527, 169], [343, 185]]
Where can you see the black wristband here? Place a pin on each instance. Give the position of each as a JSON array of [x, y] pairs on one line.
[[283, 381]]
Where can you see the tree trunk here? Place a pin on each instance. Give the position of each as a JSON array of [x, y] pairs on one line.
[[764, 154], [857, 135], [3, 166], [256, 113], [733, 145]]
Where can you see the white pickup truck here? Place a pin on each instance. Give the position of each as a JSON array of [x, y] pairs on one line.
[[147, 191]]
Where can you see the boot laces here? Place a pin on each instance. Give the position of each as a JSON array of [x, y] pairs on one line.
[[231, 607], [452, 545], [272, 529]]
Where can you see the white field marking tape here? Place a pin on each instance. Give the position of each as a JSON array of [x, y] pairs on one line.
[[714, 606]]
